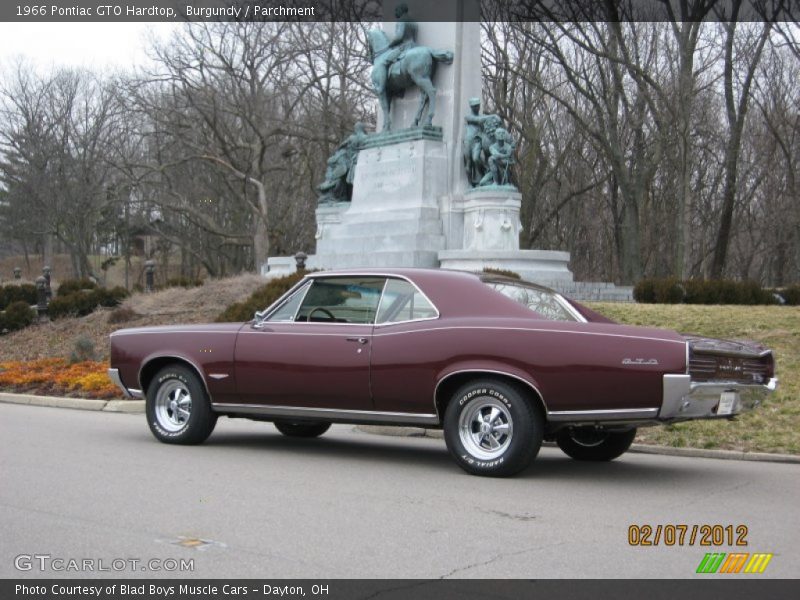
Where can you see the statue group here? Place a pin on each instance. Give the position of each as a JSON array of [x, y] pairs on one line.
[[488, 148], [341, 169], [399, 63]]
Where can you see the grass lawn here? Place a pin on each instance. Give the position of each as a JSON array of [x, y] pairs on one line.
[[774, 426]]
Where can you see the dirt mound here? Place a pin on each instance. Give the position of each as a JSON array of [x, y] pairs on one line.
[[171, 306]]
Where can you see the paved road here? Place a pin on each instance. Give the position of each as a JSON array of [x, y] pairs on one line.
[[76, 484]]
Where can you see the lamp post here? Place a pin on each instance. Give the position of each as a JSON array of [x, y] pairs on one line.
[[149, 275], [41, 297]]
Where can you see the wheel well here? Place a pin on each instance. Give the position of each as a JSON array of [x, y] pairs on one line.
[[448, 387], [150, 369]]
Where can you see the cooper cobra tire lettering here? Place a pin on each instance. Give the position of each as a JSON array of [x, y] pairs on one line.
[[484, 409], [178, 408]]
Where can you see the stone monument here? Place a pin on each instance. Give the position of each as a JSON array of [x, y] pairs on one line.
[[433, 185]]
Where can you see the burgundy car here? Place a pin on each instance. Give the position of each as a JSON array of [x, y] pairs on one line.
[[499, 364]]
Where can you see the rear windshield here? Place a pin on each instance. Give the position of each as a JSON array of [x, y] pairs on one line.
[[548, 304]]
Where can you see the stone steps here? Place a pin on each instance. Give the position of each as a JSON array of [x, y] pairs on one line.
[[593, 291]]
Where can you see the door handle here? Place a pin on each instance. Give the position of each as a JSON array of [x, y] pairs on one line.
[[360, 340]]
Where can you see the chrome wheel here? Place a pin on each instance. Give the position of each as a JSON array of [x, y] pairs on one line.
[[588, 437], [485, 427], [173, 405], [594, 444]]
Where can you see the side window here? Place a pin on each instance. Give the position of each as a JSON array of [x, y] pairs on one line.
[[288, 309], [342, 300], [403, 302]]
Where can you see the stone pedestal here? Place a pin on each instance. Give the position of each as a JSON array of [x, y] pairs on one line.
[[491, 219], [329, 216], [412, 204], [393, 219]]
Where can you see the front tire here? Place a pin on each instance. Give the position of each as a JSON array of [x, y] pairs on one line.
[[492, 429], [178, 408], [590, 444], [299, 429]]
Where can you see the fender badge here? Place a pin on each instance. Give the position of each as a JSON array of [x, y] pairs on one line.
[[639, 361]]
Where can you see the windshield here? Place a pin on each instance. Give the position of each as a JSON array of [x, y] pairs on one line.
[[548, 304]]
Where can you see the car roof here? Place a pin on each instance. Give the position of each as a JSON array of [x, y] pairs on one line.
[[454, 293]]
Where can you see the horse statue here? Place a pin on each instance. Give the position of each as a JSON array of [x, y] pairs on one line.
[[414, 66]]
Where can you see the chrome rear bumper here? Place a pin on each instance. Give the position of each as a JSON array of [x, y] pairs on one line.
[[684, 399], [113, 375]]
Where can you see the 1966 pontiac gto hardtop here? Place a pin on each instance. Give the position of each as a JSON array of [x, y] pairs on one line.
[[497, 363]]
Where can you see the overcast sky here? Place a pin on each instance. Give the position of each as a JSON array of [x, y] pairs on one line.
[[116, 45]]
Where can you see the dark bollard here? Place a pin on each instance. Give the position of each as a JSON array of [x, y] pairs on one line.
[[46, 274], [41, 297], [17, 273], [149, 274], [300, 259]]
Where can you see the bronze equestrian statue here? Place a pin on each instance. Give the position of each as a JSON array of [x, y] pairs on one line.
[[400, 63]]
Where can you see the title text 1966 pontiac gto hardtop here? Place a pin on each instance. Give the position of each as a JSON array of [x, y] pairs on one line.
[[499, 364]]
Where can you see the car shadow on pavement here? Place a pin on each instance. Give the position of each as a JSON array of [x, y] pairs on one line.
[[631, 470], [429, 454], [423, 452]]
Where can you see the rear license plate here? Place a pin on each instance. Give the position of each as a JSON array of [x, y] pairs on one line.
[[728, 403]]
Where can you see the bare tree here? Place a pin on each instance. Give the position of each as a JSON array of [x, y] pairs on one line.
[[58, 131], [744, 46]]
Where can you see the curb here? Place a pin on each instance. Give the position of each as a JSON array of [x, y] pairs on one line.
[[636, 448], [119, 406], [719, 454]]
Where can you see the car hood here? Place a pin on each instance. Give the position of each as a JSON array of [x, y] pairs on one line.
[[171, 329], [707, 345]]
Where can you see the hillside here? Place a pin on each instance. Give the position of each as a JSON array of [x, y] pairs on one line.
[[170, 306]]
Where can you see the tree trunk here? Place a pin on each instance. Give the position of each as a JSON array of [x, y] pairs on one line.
[[261, 234]]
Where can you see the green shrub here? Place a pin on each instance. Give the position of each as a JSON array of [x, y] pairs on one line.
[[645, 291], [668, 291], [260, 299], [77, 304], [694, 291], [75, 299], [70, 286], [791, 294], [25, 292], [122, 315], [697, 292], [110, 298], [17, 315], [82, 350]]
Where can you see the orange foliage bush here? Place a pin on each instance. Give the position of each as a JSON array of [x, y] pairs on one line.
[[55, 376]]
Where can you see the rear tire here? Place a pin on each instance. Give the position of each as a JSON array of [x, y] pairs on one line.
[[301, 429], [587, 443], [492, 429], [178, 408]]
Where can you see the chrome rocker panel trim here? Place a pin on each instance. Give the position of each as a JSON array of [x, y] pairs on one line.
[[591, 416], [328, 414]]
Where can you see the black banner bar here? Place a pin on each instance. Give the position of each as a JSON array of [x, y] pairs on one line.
[[729, 588], [66, 11]]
